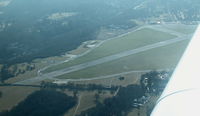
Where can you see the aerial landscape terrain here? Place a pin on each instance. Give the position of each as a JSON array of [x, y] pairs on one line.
[[91, 57]]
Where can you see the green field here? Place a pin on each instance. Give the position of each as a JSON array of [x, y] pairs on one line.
[[158, 58], [133, 40], [186, 29]]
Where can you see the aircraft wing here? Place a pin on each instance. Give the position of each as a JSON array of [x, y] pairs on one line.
[[181, 96]]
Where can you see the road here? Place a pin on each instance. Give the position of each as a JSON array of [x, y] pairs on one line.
[[154, 27], [102, 77], [98, 78], [79, 102], [102, 60], [88, 51]]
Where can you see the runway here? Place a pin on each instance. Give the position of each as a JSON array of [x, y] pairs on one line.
[[102, 60]]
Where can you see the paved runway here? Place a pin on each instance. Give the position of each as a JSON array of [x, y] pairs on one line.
[[102, 60]]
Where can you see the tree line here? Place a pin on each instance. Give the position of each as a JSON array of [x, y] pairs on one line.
[[77, 87], [6, 73]]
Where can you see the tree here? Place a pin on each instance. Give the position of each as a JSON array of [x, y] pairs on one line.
[[121, 78], [75, 92], [0, 94], [96, 96], [5, 73]]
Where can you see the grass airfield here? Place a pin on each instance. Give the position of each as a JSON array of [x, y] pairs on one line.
[[158, 58], [165, 57], [141, 37]]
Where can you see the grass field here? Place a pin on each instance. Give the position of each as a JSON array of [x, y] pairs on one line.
[[13, 95], [186, 29], [133, 40], [158, 58]]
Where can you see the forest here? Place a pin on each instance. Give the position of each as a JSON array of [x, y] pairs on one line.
[[26, 33], [43, 103]]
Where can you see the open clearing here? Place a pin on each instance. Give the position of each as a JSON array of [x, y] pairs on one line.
[[186, 29], [158, 58], [142, 37], [14, 95]]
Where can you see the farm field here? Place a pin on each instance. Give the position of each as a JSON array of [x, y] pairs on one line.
[[13, 95]]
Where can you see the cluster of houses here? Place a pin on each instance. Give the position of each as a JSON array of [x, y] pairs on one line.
[[140, 101]]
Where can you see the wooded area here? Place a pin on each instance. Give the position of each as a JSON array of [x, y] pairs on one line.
[[43, 103]]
